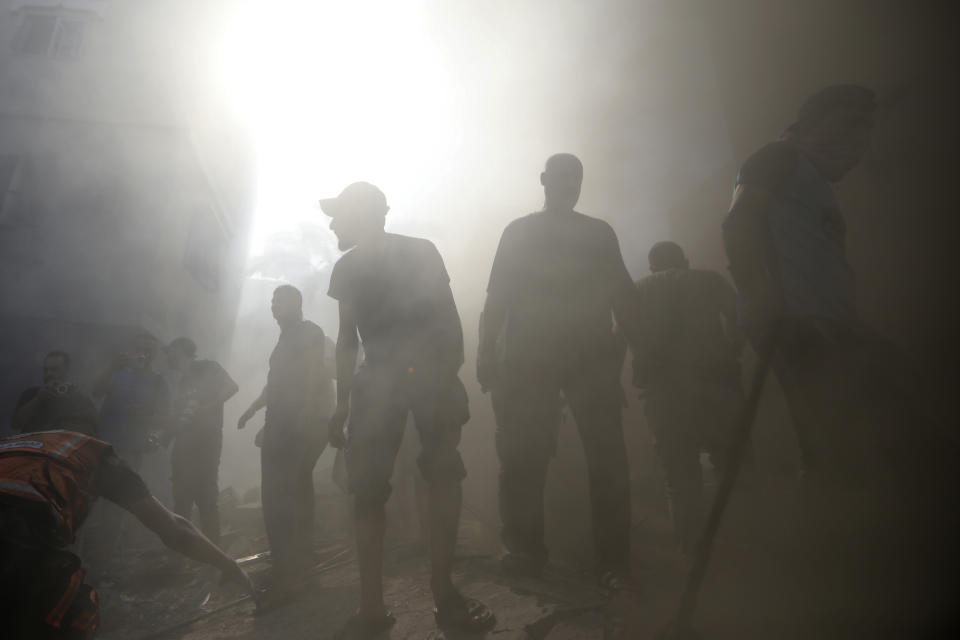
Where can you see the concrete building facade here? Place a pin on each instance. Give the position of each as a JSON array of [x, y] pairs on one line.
[[125, 186]]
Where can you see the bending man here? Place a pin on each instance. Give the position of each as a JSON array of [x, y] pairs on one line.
[[48, 483]]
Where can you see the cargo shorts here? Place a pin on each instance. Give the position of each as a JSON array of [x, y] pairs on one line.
[[381, 399]]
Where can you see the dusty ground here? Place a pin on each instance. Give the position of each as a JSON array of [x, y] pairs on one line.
[[564, 604]]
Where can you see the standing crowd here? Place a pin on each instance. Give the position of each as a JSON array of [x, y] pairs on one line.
[[560, 316]]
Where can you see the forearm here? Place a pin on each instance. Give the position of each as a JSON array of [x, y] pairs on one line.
[[450, 338], [491, 325], [179, 534], [347, 351], [259, 403], [187, 539]]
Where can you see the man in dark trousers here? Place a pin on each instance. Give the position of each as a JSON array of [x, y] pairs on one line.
[[197, 428], [48, 483], [687, 364], [298, 398], [394, 295], [57, 404], [557, 281], [880, 477]]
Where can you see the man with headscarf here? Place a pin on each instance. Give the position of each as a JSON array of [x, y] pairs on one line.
[[880, 475]]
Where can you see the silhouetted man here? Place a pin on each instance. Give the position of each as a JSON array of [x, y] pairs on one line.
[[48, 483], [687, 362], [557, 279], [197, 426], [57, 404], [298, 397], [395, 296], [136, 400], [874, 461]]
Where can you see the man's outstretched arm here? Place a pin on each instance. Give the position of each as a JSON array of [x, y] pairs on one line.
[[180, 535], [348, 347], [259, 403]]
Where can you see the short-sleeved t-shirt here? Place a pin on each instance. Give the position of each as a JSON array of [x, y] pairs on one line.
[[400, 292], [682, 329], [807, 233], [559, 275], [30, 524], [203, 383], [290, 371], [72, 411]]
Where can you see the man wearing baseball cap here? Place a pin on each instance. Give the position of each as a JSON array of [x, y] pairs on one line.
[[394, 296], [879, 473]]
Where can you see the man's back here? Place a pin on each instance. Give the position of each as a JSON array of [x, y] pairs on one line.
[[687, 326], [559, 275], [399, 290]]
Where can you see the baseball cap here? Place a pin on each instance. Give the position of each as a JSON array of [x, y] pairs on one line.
[[838, 96], [359, 197]]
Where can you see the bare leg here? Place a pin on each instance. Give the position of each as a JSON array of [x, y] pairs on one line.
[[445, 501], [371, 526]]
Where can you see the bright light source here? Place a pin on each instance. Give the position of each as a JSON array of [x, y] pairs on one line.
[[337, 91]]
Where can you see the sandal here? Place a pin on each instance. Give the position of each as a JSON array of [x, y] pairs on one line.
[[360, 627], [463, 614]]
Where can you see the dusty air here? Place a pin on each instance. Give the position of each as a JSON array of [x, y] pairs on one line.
[[426, 320]]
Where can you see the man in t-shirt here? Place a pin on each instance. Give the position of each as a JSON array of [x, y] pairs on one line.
[[869, 445], [135, 400], [557, 282], [298, 398], [395, 296], [48, 483], [58, 404], [196, 423], [687, 363]]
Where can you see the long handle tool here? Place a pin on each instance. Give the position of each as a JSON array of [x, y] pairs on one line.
[[681, 628]]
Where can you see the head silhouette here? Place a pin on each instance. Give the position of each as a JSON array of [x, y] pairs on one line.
[[56, 366], [666, 255], [562, 178], [358, 213], [833, 128], [287, 304]]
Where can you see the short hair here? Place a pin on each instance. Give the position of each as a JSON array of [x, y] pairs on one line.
[[58, 353], [666, 255], [567, 159], [187, 346], [289, 289]]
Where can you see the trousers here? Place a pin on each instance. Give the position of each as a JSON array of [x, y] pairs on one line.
[[688, 417], [526, 403], [877, 518], [287, 458], [195, 465]]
